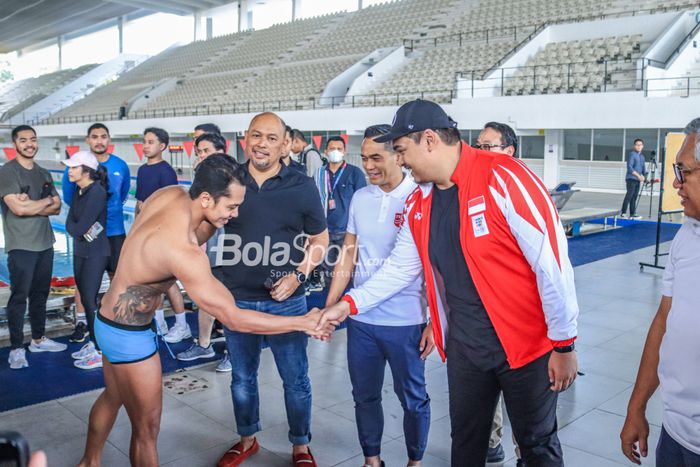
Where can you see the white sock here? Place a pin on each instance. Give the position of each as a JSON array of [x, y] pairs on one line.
[[80, 318], [160, 317], [180, 320]]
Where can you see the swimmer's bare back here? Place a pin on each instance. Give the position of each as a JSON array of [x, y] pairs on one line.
[[161, 230]]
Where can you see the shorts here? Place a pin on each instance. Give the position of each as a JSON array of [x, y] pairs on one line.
[[123, 343], [115, 246]]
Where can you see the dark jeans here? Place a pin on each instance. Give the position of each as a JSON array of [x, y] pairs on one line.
[[30, 278], [669, 453], [370, 347], [289, 351], [631, 196], [88, 278], [531, 407]]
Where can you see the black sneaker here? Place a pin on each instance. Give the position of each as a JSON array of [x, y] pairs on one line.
[[496, 455], [80, 333]]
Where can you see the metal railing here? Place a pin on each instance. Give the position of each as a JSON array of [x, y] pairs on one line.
[[514, 31], [312, 103], [565, 77], [685, 86], [469, 84], [487, 35]]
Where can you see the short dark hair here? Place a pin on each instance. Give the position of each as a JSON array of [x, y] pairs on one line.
[[638, 139], [214, 175], [449, 136], [16, 130], [97, 126], [289, 130], [374, 131], [297, 134], [508, 137], [335, 138], [161, 134], [215, 139], [208, 128]]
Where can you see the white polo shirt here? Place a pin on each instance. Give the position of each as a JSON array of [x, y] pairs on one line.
[[679, 356], [375, 218]]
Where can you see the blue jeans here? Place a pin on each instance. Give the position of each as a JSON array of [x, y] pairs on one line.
[[289, 351], [370, 347], [669, 453]]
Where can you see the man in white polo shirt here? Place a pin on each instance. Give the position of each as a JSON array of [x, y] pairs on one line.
[[394, 331], [672, 350]]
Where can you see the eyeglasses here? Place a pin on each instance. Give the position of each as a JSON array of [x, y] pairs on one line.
[[489, 147], [681, 172]]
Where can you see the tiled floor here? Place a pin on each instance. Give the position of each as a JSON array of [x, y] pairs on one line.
[[617, 304]]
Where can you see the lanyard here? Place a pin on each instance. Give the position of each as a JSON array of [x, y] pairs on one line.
[[337, 179]]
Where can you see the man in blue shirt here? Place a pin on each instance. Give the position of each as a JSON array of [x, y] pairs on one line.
[[337, 182], [636, 171], [98, 140]]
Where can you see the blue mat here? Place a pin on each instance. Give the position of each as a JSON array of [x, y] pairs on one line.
[[604, 244], [52, 375]]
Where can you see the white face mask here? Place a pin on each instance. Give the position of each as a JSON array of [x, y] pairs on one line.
[[335, 156]]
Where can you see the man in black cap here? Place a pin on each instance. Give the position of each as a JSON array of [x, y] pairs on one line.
[[483, 230]]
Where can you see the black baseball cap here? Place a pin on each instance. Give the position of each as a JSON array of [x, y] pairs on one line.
[[415, 116]]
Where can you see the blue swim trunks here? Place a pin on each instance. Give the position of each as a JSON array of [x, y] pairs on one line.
[[123, 343]]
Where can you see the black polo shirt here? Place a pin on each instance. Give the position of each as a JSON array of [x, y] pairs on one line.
[[469, 324], [267, 238]]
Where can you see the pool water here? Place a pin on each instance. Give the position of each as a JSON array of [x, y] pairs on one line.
[[63, 248]]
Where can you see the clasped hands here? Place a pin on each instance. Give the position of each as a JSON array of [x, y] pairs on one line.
[[321, 323]]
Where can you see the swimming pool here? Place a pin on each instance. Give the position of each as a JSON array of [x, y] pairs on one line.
[[63, 248]]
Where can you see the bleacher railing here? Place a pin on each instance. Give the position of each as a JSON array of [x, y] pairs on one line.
[[312, 103], [483, 35], [469, 85], [555, 78], [514, 32]]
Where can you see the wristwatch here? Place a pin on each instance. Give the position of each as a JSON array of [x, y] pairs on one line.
[[301, 277], [565, 348]]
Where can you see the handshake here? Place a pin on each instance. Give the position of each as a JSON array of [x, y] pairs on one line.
[[320, 324]]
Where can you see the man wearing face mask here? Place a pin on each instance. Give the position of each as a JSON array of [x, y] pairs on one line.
[[337, 182]]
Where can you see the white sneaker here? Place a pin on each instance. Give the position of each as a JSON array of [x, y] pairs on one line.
[[87, 349], [162, 327], [177, 333], [636, 217], [18, 359], [94, 360], [47, 345]]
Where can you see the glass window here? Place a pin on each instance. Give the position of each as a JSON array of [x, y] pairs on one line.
[[607, 145], [650, 139], [577, 145], [532, 147]]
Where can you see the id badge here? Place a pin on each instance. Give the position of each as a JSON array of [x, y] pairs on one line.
[[331, 204]]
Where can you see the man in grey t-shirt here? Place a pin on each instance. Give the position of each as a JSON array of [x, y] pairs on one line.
[[28, 197]]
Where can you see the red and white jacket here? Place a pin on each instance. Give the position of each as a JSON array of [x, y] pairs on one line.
[[515, 248]]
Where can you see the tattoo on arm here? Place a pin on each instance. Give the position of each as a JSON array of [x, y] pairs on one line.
[[137, 304]]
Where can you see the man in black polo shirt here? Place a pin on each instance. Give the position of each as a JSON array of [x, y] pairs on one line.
[[265, 262]]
